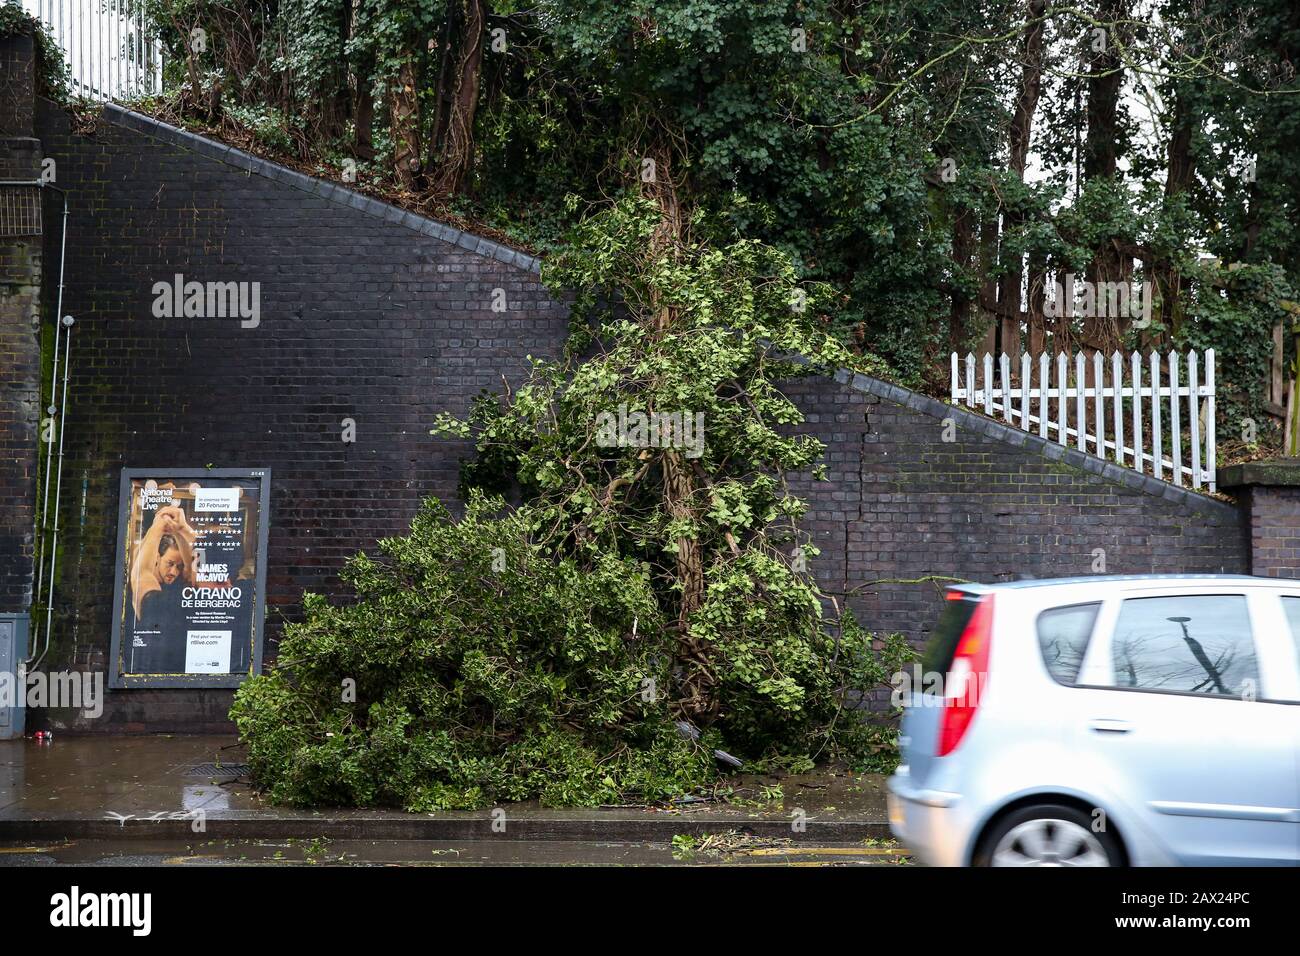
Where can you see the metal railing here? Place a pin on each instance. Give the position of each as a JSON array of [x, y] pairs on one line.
[[112, 50]]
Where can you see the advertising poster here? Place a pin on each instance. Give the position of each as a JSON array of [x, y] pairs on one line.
[[190, 578]]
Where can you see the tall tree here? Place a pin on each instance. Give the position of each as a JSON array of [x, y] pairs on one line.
[[1102, 147], [1022, 122], [451, 150]]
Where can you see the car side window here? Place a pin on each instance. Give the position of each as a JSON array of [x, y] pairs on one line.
[[1063, 635], [1291, 605], [1192, 644]]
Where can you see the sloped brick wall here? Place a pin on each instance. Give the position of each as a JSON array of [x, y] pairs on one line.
[[366, 313], [920, 489]]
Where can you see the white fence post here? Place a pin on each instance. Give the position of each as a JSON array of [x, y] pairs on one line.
[[1099, 384], [1005, 364], [1211, 452], [1016, 403], [1062, 386], [1044, 384], [1138, 460], [1026, 369], [1175, 420], [1194, 419], [1080, 404], [988, 384], [1157, 446], [1117, 393]]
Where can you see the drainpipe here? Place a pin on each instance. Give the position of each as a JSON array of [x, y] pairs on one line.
[[68, 322], [54, 382]]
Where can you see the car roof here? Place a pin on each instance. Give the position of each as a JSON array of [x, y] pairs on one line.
[[1102, 579]]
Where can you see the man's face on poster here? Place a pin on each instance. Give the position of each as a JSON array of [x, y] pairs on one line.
[[170, 566]]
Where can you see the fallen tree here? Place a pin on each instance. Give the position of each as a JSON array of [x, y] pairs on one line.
[[649, 603]]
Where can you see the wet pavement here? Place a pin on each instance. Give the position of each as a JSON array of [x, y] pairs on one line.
[[187, 799], [74, 776]]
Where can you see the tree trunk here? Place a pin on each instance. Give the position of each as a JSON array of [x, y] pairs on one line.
[[444, 89], [194, 96], [364, 118], [679, 480], [363, 100], [1037, 295], [988, 302], [1250, 236], [1181, 169], [456, 155], [1101, 149], [1101, 152], [1291, 426], [1031, 81], [404, 119], [963, 242], [697, 701], [1031, 84]]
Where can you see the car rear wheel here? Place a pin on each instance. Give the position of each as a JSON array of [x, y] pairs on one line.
[[1047, 835]]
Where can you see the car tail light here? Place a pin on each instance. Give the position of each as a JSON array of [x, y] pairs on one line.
[[967, 676]]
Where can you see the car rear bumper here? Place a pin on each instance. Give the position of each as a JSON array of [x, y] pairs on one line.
[[930, 823]]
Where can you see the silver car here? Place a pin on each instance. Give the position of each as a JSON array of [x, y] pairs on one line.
[[1105, 721]]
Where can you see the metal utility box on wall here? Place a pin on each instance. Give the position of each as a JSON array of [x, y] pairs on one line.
[[13, 648]]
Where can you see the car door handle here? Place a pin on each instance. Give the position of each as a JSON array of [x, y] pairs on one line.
[[1105, 725]]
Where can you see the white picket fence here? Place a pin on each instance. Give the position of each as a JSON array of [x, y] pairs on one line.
[[1070, 406], [112, 50]]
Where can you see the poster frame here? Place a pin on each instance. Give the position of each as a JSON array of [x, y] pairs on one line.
[[117, 680]]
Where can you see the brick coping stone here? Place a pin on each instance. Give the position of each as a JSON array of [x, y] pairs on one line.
[[1278, 472]]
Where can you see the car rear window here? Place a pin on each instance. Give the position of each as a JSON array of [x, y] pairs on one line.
[[957, 612], [1063, 635]]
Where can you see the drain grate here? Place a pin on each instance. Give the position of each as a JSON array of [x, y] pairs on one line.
[[20, 210], [213, 770]]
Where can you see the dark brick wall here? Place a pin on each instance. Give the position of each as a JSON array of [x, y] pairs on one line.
[[362, 317], [17, 85], [379, 316], [20, 357], [993, 504], [1274, 527]]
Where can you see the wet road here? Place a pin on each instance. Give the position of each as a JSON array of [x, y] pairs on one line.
[[720, 850]]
